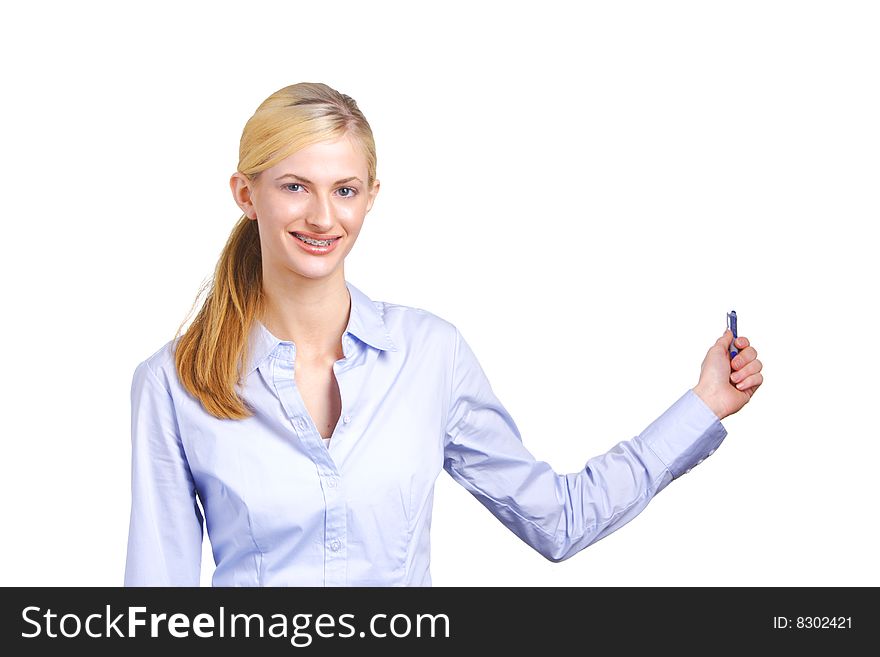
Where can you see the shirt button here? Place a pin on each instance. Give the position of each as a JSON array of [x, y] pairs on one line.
[[347, 419], [331, 483], [688, 470], [711, 452], [700, 461], [334, 545]]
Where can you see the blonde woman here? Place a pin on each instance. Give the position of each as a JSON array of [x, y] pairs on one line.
[[311, 422]]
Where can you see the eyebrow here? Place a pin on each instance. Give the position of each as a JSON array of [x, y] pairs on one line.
[[306, 180]]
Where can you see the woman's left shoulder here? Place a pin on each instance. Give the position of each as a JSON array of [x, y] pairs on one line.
[[413, 324]]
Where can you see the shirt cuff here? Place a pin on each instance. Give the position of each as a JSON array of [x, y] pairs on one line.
[[685, 435]]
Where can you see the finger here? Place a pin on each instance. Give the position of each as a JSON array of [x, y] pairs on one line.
[[742, 342], [747, 370], [745, 356], [752, 381]]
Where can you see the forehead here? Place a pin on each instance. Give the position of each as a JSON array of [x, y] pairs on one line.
[[330, 160]]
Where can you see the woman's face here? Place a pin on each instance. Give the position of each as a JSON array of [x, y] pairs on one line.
[[320, 190]]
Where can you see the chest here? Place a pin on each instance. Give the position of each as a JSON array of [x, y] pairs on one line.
[[320, 393]]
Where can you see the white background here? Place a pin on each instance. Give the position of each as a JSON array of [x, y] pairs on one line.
[[584, 189]]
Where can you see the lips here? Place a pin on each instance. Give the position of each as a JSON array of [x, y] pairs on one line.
[[312, 248]]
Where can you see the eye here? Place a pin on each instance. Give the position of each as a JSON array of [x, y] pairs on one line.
[[350, 191], [292, 185]]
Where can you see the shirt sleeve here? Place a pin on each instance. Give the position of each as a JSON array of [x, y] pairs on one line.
[[560, 514], [165, 530]]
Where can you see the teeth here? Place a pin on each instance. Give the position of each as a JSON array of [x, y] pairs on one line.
[[309, 240]]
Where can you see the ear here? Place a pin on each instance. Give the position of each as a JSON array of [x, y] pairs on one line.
[[242, 193], [373, 192]]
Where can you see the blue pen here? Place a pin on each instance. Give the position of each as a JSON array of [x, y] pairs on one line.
[[731, 324]]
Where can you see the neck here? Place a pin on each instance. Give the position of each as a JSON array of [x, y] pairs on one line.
[[312, 313]]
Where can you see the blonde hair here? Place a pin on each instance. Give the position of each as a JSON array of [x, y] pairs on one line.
[[210, 355]]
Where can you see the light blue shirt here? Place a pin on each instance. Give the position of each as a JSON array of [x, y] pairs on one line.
[[283, 508]]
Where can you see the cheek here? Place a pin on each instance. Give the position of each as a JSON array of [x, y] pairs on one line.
[[353, 211], [353, 216], [281, 208]]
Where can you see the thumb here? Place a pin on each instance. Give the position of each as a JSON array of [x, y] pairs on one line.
[[725, 339]]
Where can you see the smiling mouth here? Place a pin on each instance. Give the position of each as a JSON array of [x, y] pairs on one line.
[[314, 242]]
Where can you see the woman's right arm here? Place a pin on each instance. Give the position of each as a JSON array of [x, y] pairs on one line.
[[165, 530]]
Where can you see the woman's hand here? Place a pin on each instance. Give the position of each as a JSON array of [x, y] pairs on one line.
[[726, 385]]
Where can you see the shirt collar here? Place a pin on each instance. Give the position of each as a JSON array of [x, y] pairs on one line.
[[365, 322]]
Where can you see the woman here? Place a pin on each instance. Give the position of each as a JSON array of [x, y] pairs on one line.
[[312, 422]]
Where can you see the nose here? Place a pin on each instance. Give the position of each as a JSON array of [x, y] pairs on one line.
[[322, 213]]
